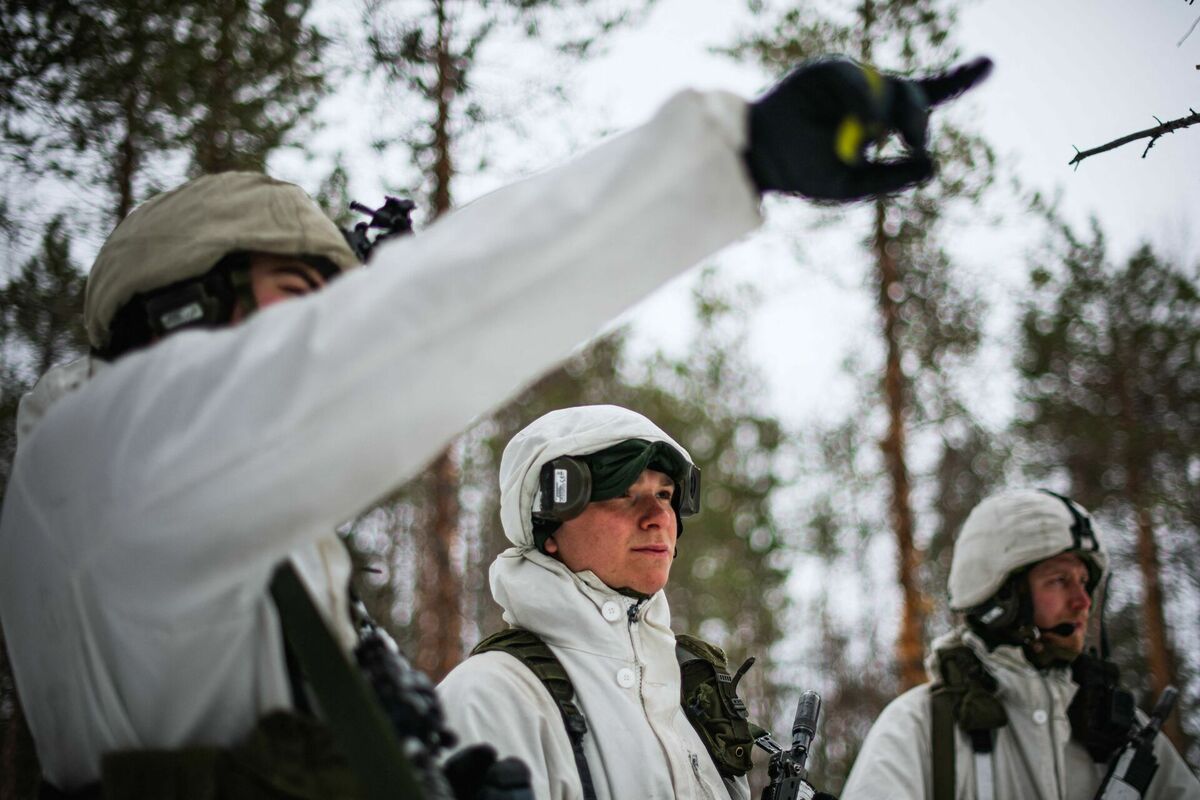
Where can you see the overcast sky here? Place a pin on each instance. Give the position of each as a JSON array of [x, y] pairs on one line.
[[1068, 73]]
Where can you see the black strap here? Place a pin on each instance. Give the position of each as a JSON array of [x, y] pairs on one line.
[[358, 723], [296, 679], [1081, 526], [942, 704], [528, 648], [982, 741]]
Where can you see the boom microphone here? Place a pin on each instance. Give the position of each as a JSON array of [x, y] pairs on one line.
[[1065, 629]]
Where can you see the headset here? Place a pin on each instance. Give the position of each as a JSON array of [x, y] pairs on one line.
[[565, 489], [208, 300]]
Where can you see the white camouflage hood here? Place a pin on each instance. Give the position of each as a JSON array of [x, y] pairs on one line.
[[568, 432]]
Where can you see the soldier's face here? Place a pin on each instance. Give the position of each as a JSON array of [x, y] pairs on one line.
[[1059, 589], [629, 541], [276, 278]]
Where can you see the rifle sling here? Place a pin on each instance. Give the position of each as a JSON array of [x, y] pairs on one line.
[[347, 703], [942, 704], [964, 696], [528, 648]]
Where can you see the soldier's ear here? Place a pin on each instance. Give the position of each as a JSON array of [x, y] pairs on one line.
[[551, 546]]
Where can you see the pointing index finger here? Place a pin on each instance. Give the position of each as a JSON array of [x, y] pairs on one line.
[[948, 85]]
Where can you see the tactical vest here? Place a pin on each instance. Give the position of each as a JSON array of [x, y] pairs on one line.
[[1101, 715], [708, 695]]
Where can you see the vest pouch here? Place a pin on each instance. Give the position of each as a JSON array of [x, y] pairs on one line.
[[709, 699]]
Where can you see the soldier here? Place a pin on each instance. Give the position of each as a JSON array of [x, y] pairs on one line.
[[1017, 708], [585, 686], [159, 482]]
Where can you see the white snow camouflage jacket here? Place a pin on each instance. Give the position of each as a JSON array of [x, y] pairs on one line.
[[1034, 757], [150, 503], [623, 667]]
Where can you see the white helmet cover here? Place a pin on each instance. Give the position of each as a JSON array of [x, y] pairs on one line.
[[183, 233], [568, 432], [1008, 531]]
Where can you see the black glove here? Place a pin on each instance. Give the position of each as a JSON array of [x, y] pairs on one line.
[[474, 773], [809, 134]]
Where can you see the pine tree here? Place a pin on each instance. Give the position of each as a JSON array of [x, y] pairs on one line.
[[430, 55], [105, 90], [41, 309], [927, 318], [1109, 361], [99, 93], [252, 73]]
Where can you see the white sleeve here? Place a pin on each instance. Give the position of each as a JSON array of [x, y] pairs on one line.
[[213, 449], [492, 698], [1174, 780], [895, 760]]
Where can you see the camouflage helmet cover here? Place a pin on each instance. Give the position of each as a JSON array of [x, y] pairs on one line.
[[1012, 530], [184, 232]]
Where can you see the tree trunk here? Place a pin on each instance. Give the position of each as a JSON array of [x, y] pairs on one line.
[[447, 83], [910, 645], [439, 603], [214, 150], [127, 157], [1159, 658]]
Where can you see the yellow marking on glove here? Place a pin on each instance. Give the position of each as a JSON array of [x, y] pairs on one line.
[[874, 81], [848, 143]]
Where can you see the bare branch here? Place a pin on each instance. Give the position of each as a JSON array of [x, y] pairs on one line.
[[1152, 133], [1189, 33]]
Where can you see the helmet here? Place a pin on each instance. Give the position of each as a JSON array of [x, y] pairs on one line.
[[182, 234], [1013, 530], [555, 447]]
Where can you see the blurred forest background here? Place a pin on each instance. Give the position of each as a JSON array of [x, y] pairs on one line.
[[823, 547]]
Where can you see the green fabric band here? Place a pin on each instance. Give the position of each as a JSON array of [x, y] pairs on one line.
[[616, 468]]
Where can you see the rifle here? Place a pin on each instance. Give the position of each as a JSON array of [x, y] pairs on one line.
[[394, 218], [384, 714], [786, 769], [1132, 767]]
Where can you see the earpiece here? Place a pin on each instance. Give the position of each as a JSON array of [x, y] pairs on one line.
[[564, 489]]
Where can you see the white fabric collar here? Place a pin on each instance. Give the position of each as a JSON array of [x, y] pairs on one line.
[[567, 609]]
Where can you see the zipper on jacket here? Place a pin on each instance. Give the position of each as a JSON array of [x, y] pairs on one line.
[[632, 612], [632, 615]]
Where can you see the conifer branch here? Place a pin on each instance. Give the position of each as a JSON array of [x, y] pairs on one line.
[[1152, 133]]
